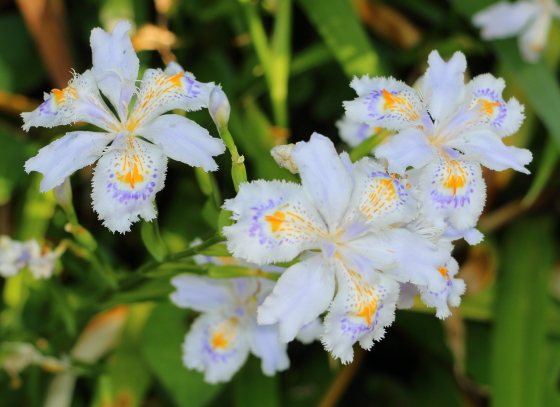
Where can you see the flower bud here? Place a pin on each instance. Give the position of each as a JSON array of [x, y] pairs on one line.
[[283, 156], [219, 108]]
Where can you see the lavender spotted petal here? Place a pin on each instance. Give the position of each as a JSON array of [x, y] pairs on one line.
[[126, 181]]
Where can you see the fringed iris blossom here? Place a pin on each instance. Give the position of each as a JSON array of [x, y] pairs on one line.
[[130, 170], [530, 20], [15, 255], [341, 221], [447, 129], [220, 339]]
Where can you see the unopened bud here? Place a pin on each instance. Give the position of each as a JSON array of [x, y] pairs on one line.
[[63, 194], [283, 156], [219, 108]]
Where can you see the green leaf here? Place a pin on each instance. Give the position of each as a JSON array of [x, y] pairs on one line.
[[219, 250], [163, 335], [344, 34], [546, 166], [519, 351], [152, 240], [253, 389]]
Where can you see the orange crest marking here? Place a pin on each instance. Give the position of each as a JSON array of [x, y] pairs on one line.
[[456, 177]]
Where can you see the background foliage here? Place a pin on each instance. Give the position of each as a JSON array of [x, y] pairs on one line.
[[285, 66]]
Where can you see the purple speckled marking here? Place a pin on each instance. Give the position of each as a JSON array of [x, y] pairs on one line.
[[372, 103], [445, 201], [492, 95], [192, 88], [211, 354]]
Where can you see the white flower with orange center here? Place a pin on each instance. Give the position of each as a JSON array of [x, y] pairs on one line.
[[529, 19], [446, 129], [221, 338], [131, 170], [344, 222]]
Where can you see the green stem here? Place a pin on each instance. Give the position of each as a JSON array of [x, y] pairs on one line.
[[238, 171], [367, 145]]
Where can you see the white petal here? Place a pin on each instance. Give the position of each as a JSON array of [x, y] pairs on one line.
[[353, 133], [403, 255], [360, 312], [533, 41], [79, 101], [160, 93], [275, 222], [486, 92], [217, 346], [302, 293], [125, 182], [381, 198], [183, 140], [503, 19], [62, 157], [310, 332], [409, 148], [201, 293], [115, 64], [489, 149], [324, 177], [265, 345], [472, 235], [451, 294], [384, 102], [41, 264], [407, 292], [453, 190], [443, 85], [12, 257]]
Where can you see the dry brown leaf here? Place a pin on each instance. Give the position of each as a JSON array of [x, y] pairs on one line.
[[388, 22], [45, 20]]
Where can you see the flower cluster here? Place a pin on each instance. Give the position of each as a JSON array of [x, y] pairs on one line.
[[444, 130], [15, 255], [130, 170], [369, 240], [529, 19], [220, 339]]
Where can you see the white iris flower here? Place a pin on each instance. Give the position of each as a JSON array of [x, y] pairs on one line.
[[446, 129], [344, 221], [530, 20], [130, 170]]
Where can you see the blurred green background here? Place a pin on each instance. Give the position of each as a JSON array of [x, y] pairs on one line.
[[285, 66]]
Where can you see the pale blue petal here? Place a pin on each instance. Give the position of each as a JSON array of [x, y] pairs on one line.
[[449, 295], [216, 345], [488, 149], [324, 177], [202, 293], [454, 191], [443, 85], [385, 103], [310, 332], [409, 148], [62, 157], [183, 140], [504, 19], [533, 41], [115, 65], [125, 183], [302, 293], [275, 222], [265, 345], [360, 312]]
